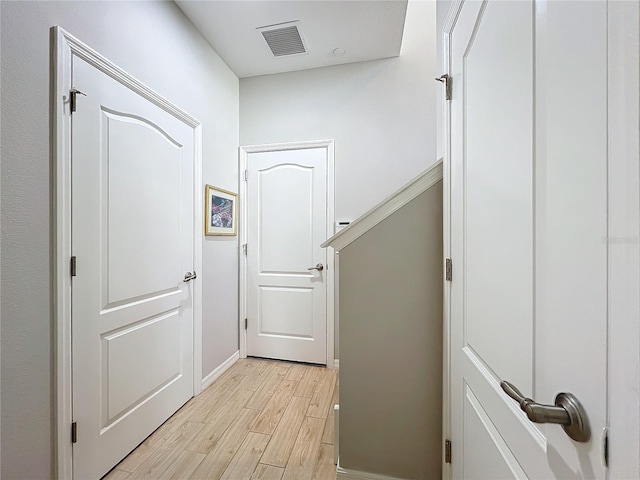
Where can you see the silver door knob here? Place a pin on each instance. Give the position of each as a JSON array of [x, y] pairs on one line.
[[567, 411], [318, 267], [190, 276]]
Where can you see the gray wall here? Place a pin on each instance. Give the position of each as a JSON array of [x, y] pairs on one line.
[[156, 43], [391, 352]]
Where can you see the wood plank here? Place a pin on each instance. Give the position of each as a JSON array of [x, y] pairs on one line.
[[231, 406], [220, 420], [273, 411], [246, 460], [264, 393], [215, 398], [161, 439], [184, 465], [217, 460], [302, 460], [284, 436], [165, 453], [296, 372], [267, 472], [325, 469], [310, 382], [253, 380], [329, 427], [321, 398]]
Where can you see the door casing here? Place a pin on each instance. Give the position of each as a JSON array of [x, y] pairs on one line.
[[244, 152], [65, 46], [623, 382]]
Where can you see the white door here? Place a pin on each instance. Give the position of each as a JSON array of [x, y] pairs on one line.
[[132, 236], [528, 226], [286, 223]]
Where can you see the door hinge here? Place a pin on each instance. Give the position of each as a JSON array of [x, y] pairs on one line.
[[448, 85], [73, 98], [447, 451], [448, 270], [73, 266], [74, 432], [605, 447], [244, 248], [246, 323], [246, 175]]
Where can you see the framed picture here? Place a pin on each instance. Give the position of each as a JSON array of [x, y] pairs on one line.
[[220, 212]]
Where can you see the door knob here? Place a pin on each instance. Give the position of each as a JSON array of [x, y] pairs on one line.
[[190, 276], [567, 411], [318, 267]]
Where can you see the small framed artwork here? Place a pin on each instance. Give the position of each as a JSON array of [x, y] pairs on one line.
[[220, 212]]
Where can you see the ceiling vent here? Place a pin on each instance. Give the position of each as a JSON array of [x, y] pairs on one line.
[[284, 39]]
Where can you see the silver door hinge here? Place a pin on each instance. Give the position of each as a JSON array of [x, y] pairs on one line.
[[246, 323], [448, 85], [447, 451], [448, 270], [244, 248], [73, 98], [74, 432], [73, 266], [246, 175]]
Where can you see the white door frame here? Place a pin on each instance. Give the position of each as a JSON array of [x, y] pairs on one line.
[[65, 46], [446, 227], [623, 396], [244, 152]]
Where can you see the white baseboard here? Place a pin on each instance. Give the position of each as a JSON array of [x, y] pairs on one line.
[[346, 474], [210, 378], [336, 364]]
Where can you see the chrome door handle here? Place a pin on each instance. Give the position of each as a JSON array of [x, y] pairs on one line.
[[190, 276], [567, 411], [318, 267]]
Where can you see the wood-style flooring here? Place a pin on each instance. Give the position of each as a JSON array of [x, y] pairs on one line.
[[262, 419]]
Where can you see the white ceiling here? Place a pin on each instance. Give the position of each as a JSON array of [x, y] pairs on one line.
[[365, 30]]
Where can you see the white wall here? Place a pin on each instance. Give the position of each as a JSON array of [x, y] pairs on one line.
[[380, 113], [156, 43]]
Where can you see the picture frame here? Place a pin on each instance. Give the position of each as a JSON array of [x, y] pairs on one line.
[[220, 211]]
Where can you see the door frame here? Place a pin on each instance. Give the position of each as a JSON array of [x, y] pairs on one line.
[[623, 372], [244, 152], [64, 47], [449, 24]]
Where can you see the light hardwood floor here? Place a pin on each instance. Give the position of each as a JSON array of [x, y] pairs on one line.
[[261, 420]]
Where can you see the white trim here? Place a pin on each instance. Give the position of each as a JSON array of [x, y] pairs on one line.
[[347, 474], [243, 154], [336, 364], [65, 46], [452, 17], [623, 397], [61, 126], [216, 372], [381, 211]]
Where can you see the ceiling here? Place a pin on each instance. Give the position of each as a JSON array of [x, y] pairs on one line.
[[357, 30]]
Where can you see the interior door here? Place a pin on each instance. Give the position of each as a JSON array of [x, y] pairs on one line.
[[286, 268], [132, 236], [528, 226]]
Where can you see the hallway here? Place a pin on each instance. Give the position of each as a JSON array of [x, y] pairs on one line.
[[261, 419]]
